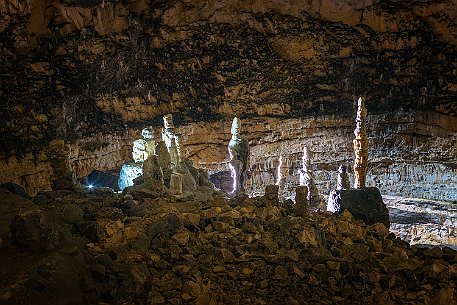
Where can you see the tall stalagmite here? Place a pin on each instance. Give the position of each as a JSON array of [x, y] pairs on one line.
[[282, 172], [306, 177], [239, 156], [360, 146]]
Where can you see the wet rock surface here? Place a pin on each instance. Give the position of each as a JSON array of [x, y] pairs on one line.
[[206, 248]]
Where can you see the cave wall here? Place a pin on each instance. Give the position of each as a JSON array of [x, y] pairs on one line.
[[403, 154], [83, 69]]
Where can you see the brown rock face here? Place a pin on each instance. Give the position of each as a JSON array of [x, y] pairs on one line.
[[411, 154], [75, 70]]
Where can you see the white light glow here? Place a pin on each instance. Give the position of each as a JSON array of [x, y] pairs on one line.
[[233, 174], [278, 180], [90, 186]]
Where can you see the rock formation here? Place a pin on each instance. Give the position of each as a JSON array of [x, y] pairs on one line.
[[306, 178], [360, 146], [164, 160], [281, 176], [152, 169], [342, 182], [175, 158], [62, 174], [301, 201], [239, 156], [271, 197], [142, 149], [89, 72], [176, 184], [169, 136], [365, 204]]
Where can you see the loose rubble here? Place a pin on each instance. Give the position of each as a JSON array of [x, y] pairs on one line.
[[146, 246]]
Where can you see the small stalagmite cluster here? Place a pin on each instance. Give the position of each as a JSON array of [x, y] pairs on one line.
[[160, 165]]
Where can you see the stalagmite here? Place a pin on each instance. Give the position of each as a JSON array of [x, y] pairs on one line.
[[152, 169], [281, 176], [360, 146], [176, 185], [343, 181], [301, 200], [364, 203], [239, 155], [169, 133], [271, 195], [141, 150], [148, 137], [63, 177], [174, 155], [164, 160], [306, 178]]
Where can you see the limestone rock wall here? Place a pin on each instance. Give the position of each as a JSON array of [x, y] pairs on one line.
[[99, 152], [411, 154], [73, 69]]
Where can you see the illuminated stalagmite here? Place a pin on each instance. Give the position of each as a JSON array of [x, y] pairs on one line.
[[360, 146], [239, 155], [364, 203], [179, 173], [343, 181], [174, 154], [306, 178], [281, 176], [169, 133], [141, 150]]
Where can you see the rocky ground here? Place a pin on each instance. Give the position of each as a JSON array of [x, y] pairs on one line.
[[141, 247], [420, 221]]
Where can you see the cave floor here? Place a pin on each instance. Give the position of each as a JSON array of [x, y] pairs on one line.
[[423, 221], [145, 246]]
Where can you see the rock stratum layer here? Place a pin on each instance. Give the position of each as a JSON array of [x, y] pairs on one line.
[[404, 151], [78, 70]]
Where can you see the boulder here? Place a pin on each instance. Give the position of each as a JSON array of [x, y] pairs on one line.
[[133, 209], [365, 204], [15, 188], [30, 231], [167, 226]]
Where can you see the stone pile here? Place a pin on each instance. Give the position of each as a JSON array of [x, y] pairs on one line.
[[146, 246]]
